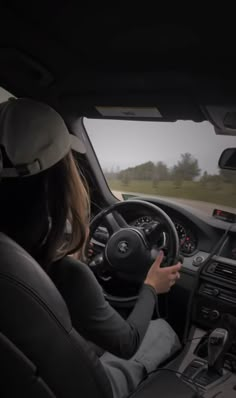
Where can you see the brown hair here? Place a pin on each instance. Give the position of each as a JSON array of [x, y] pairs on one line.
[[78, 209], [34, 211]]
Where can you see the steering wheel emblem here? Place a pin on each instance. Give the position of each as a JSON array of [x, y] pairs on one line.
[[123, 247]]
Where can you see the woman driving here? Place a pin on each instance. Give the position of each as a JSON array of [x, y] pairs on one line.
[[40, 190]]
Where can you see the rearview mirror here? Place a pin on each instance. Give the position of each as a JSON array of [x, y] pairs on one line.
[[228, 159]]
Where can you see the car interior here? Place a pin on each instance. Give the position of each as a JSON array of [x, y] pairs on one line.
[[108, 69]]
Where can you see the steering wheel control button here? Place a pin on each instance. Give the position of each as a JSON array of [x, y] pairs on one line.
[[198, 260]]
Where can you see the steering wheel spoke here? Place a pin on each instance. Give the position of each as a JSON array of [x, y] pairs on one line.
[[114, 222], [153, 230], [100, 267], [155, 235]]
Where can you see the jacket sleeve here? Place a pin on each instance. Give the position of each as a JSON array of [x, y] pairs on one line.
[[93, 317]]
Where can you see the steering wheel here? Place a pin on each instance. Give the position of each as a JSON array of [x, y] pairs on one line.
[[130, 250]]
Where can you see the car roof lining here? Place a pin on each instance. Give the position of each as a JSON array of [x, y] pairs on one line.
[[75, 60]]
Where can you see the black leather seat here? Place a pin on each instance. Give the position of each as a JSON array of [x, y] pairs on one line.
[[41, 355]]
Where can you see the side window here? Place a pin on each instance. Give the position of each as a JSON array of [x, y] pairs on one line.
[[4, 95]]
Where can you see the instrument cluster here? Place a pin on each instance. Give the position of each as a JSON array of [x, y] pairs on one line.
[[187, 237]]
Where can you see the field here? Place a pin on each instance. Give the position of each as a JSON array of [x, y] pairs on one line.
[[223, 194]]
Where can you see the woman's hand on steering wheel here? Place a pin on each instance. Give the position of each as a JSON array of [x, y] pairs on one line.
[[162, 279]]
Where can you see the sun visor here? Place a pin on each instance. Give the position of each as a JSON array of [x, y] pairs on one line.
[[222, 118]]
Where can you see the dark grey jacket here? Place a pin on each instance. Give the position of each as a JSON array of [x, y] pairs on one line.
[[93, 317]]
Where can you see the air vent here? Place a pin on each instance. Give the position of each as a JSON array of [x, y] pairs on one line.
[[223, 271]]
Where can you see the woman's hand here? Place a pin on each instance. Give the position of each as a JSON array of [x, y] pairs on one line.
[[162, 279]]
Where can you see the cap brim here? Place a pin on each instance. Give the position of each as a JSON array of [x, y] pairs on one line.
[[76, 144]]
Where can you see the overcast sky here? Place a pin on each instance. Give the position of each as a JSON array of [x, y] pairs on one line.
[[128, 143]]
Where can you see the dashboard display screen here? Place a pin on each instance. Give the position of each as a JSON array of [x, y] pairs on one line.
[[224, 215]]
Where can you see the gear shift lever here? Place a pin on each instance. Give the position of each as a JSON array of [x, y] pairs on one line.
[[217, 345]]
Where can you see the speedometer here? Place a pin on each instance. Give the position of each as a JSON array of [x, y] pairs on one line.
[[181, 233]]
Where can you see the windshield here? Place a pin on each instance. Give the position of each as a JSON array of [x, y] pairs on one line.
[[175, 161]]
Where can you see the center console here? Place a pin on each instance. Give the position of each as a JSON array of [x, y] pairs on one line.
[[195, 370], [214, 302], [214, 314], [216, 294]]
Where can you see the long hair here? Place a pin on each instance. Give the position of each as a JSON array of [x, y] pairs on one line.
[[34, 211]]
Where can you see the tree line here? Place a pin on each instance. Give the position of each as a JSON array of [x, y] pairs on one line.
[[186, 169]]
